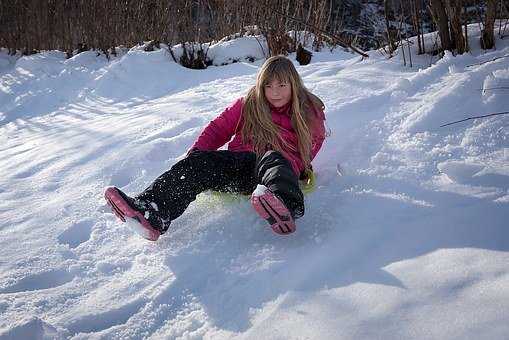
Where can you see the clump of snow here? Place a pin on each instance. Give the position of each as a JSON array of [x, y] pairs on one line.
[[245, 49]]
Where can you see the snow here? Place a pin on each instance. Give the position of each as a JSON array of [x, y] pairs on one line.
[[411, 241], [247, 48]]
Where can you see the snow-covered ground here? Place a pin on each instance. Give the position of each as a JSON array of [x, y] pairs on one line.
[[411, 242]]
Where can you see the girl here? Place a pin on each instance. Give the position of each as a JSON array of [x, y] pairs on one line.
[[277, 130]]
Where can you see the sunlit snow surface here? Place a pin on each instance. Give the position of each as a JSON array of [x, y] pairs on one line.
[[412, 241]]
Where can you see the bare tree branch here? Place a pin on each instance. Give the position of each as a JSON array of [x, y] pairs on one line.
[[332, 37], [476, 117]]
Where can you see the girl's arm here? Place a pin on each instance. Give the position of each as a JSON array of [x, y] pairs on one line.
[[318, 133], [220, 130]]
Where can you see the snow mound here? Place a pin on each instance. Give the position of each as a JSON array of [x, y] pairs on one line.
[[34, 328]]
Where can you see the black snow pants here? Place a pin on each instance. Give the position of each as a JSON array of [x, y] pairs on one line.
[[224, 171]]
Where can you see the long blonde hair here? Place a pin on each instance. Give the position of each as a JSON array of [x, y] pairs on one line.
[[258, 127]]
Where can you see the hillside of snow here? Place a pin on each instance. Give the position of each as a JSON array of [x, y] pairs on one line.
[[409, 241]]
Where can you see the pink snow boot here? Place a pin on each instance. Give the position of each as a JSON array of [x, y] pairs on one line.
[[124, 207], [272, 209]]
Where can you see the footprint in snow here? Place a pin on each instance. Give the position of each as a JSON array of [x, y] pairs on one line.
[[122, 177], [473, 174], [76, 234], [45, 280], [96, 322]]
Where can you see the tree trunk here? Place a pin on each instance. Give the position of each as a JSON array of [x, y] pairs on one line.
[[392, 45], [488, 36], [458, 40], [442, 21], [416, 14], [466, 28]]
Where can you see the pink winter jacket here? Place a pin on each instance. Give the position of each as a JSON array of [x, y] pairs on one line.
[[229, 124]]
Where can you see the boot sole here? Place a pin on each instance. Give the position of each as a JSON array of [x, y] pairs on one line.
[[271, 209], [123, 211]]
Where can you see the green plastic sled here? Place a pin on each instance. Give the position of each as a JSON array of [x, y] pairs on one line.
[[307, 185]]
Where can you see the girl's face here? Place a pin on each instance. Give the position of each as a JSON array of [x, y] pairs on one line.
[[278, 93]]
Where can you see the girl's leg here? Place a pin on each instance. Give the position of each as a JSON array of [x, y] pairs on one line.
[[172, 192], [276, 173], [279, 199]]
